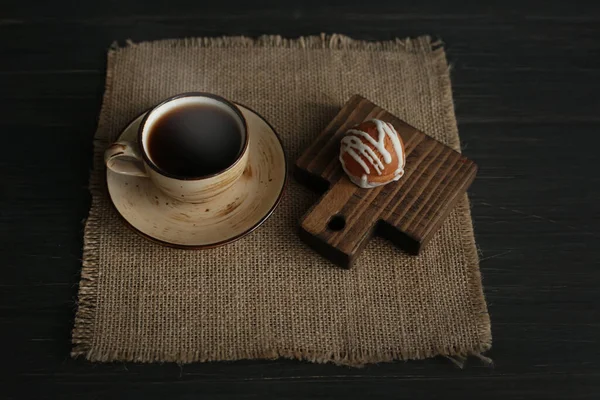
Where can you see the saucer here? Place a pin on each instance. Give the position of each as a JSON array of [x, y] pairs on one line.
[[228, 217]]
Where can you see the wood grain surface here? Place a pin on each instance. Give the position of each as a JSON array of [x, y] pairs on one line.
[[526, 83], [408, 212]]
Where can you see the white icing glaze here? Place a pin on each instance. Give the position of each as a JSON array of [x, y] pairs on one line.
[[357, 149], [365, 150]]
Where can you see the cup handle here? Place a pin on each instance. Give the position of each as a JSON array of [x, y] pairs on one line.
[[124, 158]]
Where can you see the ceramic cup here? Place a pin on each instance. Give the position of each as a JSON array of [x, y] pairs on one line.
[[132, 158]]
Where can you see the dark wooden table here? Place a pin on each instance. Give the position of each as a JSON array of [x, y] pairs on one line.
[[526, 78]]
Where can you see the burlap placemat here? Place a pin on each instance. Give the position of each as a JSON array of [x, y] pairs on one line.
[[268, 295]]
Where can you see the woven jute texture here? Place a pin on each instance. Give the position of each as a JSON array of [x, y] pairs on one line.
[[268, 295]]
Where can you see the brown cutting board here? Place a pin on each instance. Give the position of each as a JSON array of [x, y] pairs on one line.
[[407, 212]]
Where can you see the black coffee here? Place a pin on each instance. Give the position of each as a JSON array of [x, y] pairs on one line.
[[195, 140]]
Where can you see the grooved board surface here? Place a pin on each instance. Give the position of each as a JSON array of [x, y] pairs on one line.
[[408, 211]]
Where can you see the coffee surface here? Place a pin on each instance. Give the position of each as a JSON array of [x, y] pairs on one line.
[[194, 140]]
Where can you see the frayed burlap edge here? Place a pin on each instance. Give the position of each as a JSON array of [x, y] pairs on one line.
[[322, 41], [83, 339]]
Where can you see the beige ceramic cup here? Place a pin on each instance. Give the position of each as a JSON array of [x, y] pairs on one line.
[[132, 158]]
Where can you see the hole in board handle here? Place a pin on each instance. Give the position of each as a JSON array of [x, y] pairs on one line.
[[336, 223]]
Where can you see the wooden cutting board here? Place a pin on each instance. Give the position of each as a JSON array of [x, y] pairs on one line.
[[407, 212]]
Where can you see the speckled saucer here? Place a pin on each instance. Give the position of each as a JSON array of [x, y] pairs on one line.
[[222, 220]]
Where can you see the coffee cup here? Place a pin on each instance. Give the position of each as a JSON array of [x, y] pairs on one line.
[[193, 146]]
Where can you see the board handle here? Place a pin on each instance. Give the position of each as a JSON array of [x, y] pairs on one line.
[[326, 229]]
